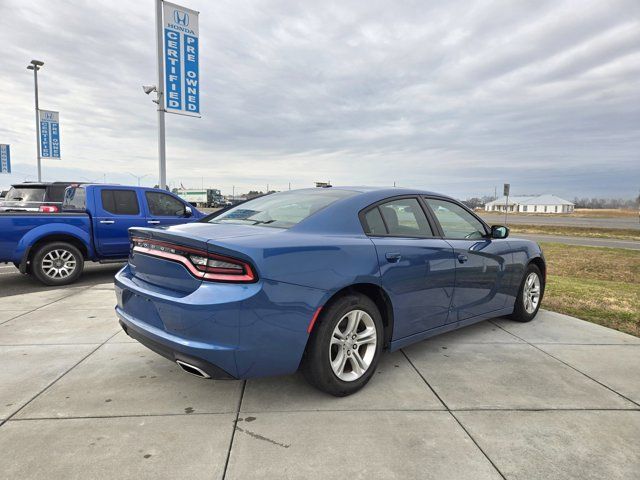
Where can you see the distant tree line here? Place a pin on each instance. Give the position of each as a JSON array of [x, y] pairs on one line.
[[478, 202], [606, 203]]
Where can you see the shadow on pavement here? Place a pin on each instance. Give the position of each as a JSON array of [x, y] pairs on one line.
[[12, 282]]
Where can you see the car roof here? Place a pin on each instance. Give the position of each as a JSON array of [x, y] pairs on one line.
[[383, 189], [30, 185], [341, 216], [42, 184]]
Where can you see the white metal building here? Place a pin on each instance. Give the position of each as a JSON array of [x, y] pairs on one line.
[[531, 204]]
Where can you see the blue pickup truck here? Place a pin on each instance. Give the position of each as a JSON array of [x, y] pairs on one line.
[[93, 226]]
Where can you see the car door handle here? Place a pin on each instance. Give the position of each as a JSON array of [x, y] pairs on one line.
[[153, 222], [107, 222], [462, 258], [393, 257]]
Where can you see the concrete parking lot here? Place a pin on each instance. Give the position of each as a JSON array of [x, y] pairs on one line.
[[555, 398]]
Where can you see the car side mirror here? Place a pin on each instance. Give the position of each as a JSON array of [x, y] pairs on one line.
[[499, 231], [188, 212]]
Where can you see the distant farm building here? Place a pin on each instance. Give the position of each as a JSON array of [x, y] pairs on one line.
[[531, 204]]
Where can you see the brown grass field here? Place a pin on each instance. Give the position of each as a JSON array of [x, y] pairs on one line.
[[604, 213], [578, 212], [601, 285], [589, 232]]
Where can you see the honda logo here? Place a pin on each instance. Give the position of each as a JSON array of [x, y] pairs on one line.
[[181, 18]]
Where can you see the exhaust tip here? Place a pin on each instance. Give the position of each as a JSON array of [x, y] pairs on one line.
[[192, 369]]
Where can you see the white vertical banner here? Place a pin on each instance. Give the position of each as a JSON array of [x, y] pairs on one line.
[[181, 52]]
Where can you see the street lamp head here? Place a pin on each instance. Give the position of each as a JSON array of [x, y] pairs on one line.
[[149, 89], [35, 65]]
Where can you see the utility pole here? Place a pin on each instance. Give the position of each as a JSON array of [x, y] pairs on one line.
[[289, 185], [233, 192], [507, 190], [35, 66], [162, 175]]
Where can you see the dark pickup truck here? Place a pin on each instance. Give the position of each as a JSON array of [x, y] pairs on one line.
[[93, 226]]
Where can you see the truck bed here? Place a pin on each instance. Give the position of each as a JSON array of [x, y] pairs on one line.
[[15, 229]]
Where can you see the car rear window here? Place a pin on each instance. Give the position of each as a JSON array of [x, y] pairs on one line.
[[26, 194], [282, 210]]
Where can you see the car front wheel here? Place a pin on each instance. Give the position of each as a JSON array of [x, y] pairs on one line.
[[345, 346], [529, 296]]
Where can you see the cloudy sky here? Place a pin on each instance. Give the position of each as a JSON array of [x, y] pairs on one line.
[[453, 96]]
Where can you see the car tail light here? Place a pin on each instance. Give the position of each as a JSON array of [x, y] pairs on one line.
[[201, 264], [48, 209]]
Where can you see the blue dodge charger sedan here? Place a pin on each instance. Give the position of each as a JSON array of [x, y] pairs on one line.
[[321, 280]]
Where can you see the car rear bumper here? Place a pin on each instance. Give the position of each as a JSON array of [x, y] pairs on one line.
[[226, 330], [169, 351]]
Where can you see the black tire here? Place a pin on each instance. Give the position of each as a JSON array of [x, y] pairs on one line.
[[40, 256], [520, 313], [316, 364]]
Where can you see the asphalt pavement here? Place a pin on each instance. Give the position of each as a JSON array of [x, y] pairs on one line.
[[554, 398]]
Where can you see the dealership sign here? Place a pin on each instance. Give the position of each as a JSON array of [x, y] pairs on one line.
[[49, 134], [5, 159], [182, 78]]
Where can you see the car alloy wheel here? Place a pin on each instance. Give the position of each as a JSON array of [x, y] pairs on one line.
[[59, 264], [353, 345], [531, 292]]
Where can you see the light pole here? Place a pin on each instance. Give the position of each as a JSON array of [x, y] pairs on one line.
[[138, 177], [160, 89], [35, 66]]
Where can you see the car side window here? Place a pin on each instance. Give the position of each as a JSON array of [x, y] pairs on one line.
[[403, 217], [374, 222], [455, 221], [163, 205], [120, 202]]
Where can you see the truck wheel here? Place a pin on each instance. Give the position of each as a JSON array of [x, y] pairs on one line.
[[57, 263]]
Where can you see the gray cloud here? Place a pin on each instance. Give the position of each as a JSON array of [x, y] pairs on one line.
[[450, 96]]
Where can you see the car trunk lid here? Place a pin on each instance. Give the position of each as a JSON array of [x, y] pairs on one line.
[[161, 256]]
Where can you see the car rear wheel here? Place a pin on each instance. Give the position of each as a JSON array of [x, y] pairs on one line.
[[529, 296], [58, 263], [345, 346]]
